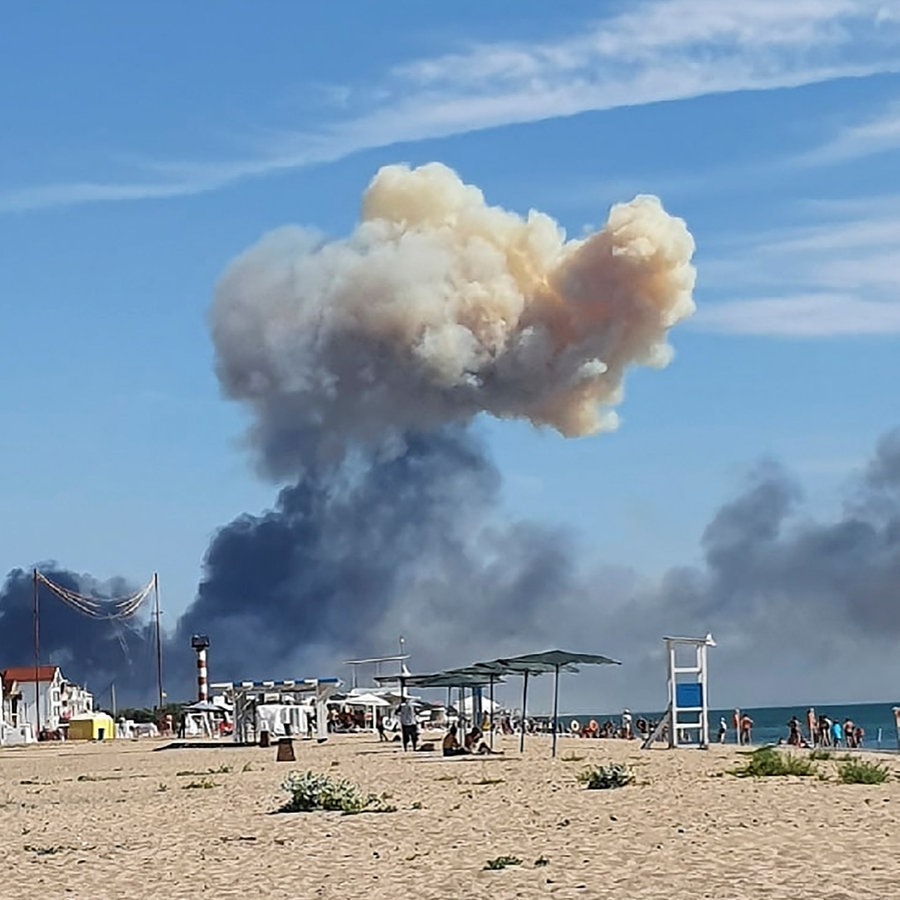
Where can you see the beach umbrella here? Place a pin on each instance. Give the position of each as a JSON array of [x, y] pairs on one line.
[[549, 661], [365, 700]]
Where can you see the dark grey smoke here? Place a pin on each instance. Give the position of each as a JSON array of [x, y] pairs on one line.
[[803, 610], [347, 561], [93, 653]]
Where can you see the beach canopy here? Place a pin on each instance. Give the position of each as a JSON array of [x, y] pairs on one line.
[[550, 660], [365, 700], [537, 664], [205, 706], [450, 678]]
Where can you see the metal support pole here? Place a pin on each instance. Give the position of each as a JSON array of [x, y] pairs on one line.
[[491, 711], [37, 655], [159, 684], [524, 701], [555, 707]]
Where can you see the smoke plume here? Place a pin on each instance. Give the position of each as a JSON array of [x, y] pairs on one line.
[[439, 307], [91, 652], [363, 360], [804, 610]]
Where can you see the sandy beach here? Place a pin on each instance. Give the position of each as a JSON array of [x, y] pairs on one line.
[[121, 820]]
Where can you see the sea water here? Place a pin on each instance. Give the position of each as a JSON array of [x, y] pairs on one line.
[[770, 722]]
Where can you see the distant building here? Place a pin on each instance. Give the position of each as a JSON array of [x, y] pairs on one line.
[[59, 699]]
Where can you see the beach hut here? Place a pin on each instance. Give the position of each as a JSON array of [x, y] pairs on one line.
[[95, 727]]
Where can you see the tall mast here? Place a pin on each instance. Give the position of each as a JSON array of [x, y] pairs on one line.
[[159, 687], [37, 654]]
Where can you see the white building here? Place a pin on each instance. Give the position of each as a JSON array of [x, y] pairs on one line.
[[59, 699]]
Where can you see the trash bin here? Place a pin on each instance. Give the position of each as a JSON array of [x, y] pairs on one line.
[[264, 739], [285, 751], [101, 734]]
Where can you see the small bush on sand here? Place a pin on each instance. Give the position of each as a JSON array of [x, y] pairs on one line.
[[501, 862], [605, 777], [767, 762], [204, 784], [312, 791], [861, 771]]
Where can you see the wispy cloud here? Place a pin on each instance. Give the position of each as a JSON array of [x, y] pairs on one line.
[[837, 278], [879, 133], [661, 51]]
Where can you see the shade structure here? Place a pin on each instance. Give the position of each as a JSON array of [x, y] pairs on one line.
[[365, 700], [548, 661], [450, 678]]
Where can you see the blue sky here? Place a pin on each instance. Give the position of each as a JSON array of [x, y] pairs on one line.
[[144, 147]]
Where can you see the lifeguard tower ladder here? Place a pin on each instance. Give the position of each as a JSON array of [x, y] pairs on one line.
[[687, 716]]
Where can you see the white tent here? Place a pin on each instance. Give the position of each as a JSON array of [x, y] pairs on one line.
[[487, 706], [370, 702], [365, 700]]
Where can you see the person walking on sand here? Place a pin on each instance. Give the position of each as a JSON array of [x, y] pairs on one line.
[[408, 726]]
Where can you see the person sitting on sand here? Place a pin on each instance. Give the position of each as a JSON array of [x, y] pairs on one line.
[[450, 746], [475, 743]]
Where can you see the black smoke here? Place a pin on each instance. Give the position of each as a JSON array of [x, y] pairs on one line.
[[348, 560], [94, 653], [409, 543]]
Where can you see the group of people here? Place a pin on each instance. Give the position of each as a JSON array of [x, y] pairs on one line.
[[820, 731], [473, 742], [825, 732], [743, 728]]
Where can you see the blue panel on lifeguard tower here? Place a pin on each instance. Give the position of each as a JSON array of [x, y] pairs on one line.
[[689, 695]]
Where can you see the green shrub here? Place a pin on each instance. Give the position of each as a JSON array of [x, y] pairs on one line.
[[203, 784], [501, 862], [860, 771], [312, 791], [605, 777], [767, 762]]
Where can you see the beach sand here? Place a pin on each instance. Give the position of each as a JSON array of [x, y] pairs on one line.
[[120, 821]]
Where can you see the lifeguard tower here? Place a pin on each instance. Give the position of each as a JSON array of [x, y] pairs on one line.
[[687, 715]]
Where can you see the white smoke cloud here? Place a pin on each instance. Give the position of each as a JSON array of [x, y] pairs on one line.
[[439, 307]]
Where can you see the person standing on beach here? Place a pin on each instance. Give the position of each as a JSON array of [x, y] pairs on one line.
[[812, 725], [746, 729], [837, 733], [723, 730], [408, 726], [848, 734]]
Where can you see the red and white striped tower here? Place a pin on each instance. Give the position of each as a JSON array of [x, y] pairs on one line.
[[200, 643]]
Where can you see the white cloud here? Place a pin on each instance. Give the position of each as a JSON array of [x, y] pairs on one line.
[[661, 51], [807, 316], [876, 134], [836, 278]]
